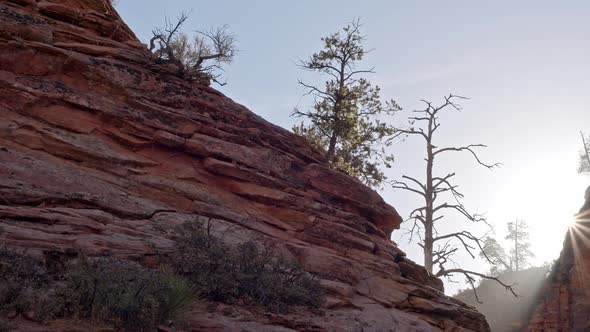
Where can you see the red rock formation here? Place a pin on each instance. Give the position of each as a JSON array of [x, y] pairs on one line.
[[564, 303], [102, 150]]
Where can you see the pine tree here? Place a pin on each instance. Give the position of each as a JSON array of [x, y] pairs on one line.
[[520, 253], [346, 120]]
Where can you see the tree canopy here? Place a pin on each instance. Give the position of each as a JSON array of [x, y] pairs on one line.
[[347, 119]]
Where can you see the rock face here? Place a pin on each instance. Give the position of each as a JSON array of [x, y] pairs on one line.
[[564, 303], [103, 150]]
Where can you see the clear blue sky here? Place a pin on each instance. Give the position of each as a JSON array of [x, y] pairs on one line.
[[525, 65]]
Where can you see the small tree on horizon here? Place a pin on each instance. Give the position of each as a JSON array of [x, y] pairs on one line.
[[584, 155], [496, 256], [347, 117], [519, 254]]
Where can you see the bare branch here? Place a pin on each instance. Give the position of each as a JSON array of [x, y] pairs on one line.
[[470, 149], [202, 57], [461, 209], [404, 186], [463, 237], [411, 131], [471, 280], [312, 89]]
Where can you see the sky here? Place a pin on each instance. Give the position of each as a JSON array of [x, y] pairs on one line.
[[524, 65]]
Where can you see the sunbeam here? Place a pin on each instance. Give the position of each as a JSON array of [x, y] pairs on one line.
[[579, 233]]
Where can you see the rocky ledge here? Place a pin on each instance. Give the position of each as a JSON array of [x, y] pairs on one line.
[[103, 150]]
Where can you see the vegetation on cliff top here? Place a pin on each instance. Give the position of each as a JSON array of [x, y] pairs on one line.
[[348, 118]]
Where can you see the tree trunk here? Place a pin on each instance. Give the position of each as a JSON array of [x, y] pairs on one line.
[[516, 258], [332, 147], [336, 113], [586, 152], [429, 198], [428, 245]]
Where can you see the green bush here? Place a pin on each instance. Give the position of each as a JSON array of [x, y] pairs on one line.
[[122, 293], [272, 280], [205, 261], [251, 270], [107, 289]]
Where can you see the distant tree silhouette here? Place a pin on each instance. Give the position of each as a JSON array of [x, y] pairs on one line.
[[347, 118], [433, 190], [584, 162], [520, 252], [498, 258]]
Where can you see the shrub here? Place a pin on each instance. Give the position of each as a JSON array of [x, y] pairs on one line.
[[207, 262], [23, 280], [252, 270], [272, 280], [176, 297], [201, 57], [122, 293], [105, 288]]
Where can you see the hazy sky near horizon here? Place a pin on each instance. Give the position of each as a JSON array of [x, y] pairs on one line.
[[524, 65]]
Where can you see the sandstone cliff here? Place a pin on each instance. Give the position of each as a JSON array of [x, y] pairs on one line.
[[564, 303], [102, 150]]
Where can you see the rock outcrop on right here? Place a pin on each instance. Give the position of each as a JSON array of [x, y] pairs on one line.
[[564, 303]]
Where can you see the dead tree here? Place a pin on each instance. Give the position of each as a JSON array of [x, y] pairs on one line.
[[162, 38], [433, 191], [203, 56]]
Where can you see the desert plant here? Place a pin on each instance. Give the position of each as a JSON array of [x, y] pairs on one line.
[[201, 56], [272, 280], [107, 289], [207, 262], [176, 297], [23, 279], [252, 270], [122, 293]]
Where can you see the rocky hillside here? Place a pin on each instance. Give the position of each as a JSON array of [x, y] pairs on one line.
[[104, 151], [564, 303]]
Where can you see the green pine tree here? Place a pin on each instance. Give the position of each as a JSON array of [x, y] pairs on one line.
[[347, 118]]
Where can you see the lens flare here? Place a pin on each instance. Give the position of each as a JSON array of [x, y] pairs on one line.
[[579, 235]]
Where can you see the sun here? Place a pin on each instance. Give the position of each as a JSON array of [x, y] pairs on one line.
[[573, 222]]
